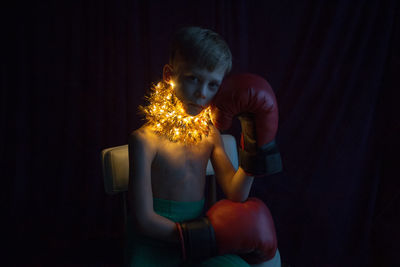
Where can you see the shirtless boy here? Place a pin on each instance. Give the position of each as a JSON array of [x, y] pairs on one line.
[[167, 176]]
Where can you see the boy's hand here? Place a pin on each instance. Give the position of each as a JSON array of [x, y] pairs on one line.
[[252, 99], [246, 229]]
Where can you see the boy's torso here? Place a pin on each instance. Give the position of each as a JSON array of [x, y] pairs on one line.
[[178, 171]]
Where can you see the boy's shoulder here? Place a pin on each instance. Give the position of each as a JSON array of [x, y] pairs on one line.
[[215, 135], [143, 136], [141, 132]]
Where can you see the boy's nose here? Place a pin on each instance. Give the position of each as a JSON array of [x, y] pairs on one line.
[[201, 92]]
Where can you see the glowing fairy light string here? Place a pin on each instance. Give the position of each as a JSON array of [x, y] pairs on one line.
[[166, 115]]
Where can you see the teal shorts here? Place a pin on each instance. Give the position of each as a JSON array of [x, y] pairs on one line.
[[144, 251]]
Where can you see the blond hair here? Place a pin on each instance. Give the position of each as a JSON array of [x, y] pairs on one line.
[[200, 47]]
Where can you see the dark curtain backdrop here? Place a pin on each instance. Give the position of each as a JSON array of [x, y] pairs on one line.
[[74, 72]]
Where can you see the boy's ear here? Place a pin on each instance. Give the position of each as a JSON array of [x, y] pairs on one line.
[[167, 73]]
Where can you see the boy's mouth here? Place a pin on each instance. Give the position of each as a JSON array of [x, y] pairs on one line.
[[195, 106], [194, 109]]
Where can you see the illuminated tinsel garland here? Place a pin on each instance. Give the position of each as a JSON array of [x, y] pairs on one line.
[[166, 115]]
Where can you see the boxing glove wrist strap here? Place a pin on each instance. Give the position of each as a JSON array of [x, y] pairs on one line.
[[197, 239], [265, 161], [178, 225]]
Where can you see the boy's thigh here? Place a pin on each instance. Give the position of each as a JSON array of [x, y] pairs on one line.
[[150, 254], [147, 254], [229, 260], [234, 260]]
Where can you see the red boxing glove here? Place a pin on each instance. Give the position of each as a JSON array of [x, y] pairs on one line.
[[251, 98], [229, 227], [244, 228]]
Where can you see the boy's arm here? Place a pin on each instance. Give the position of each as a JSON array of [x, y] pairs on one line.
[[140, 196], [251, 98], [236, 185]]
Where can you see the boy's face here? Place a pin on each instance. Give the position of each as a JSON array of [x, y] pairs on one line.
[[195, 87]]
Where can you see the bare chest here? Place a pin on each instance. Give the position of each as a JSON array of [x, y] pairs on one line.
[[178, 171]]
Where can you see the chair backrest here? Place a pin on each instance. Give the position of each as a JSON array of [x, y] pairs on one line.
[[115, 164]]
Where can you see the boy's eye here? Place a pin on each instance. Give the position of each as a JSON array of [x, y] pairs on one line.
[[214, 86], [193, 78]]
